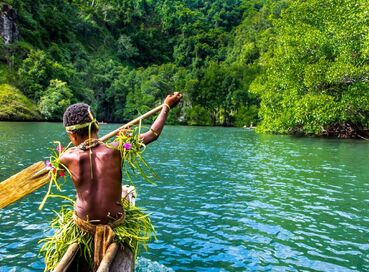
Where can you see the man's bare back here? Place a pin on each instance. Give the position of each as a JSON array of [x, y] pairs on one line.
[[99, 196], [99, 192]]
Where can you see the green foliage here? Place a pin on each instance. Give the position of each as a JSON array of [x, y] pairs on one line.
[[354, 104], [148, 87], [2, 47], [313, 113], [246, 116], [55, 100], [36, 72], [99, 77], [125, 48], [130, 145], [4, 73], [124, 57], [315, 71], [295, 66], [221, 89], [136, 230], [15, 106], [198, 115]]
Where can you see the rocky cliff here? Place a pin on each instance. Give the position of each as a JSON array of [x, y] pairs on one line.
[[8, 26]]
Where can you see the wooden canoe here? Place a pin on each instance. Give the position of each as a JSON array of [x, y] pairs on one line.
[[117, 258]]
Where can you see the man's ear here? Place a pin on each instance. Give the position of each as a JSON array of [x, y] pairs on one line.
[[73, 137]]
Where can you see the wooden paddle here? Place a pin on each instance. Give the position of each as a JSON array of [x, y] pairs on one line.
[[36, 175]]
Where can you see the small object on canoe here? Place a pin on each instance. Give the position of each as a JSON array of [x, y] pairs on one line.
[[129, 192]]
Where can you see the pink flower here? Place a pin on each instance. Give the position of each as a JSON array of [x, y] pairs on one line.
[[59, 148], [48, 165], [127, 146]]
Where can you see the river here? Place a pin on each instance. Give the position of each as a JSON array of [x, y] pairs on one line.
[[227, 199]]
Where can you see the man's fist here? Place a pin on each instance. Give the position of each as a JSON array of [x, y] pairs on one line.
[[173, 99]]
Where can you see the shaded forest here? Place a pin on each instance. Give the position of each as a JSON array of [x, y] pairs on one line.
[[287, 66]]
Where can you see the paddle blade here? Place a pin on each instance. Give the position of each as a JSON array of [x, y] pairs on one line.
[[23, 183]]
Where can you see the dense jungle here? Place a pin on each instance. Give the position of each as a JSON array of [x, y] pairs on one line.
[[285, 66]]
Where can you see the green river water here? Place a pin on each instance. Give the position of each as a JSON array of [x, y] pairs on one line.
[[227, 200]]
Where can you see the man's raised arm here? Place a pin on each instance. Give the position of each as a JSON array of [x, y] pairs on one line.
[[156, 128]]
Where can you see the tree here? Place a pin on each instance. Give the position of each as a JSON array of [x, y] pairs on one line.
[[125, 48], [222, 89], [55, 100], [124, 56], [36, 72], [317, 64]]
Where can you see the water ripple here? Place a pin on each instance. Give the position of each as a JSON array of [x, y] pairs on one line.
[[227, 200]]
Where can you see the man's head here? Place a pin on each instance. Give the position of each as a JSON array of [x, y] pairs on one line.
[[79, 120]]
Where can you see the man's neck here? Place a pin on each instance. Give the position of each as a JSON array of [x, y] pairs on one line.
[[85, 138]]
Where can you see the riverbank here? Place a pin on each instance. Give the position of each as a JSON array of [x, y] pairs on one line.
[[336, 131], [14, 106]]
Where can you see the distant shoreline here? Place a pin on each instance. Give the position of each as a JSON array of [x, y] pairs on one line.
[[114, 123]]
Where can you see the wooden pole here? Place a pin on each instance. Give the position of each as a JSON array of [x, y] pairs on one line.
[[21, 184], [131, 123], [112, 133]]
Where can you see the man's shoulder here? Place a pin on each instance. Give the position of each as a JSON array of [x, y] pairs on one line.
[[76, 152], [71, 151], [108, 148], [67, 155]]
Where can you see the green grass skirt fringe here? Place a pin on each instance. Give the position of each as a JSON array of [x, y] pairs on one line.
[[137, 229]]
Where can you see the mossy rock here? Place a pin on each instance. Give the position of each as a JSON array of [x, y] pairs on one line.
[[14, 106]]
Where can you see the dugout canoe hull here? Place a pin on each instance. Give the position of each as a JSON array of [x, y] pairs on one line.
[[119, 260]]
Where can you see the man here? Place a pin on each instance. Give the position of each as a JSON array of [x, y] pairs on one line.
[[96, 171]]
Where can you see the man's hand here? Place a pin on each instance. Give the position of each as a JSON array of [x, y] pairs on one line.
[[173, 100]]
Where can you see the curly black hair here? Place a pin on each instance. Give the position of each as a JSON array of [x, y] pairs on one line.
[[78, 114]]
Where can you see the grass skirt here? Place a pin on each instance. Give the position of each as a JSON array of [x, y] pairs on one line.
[[136, 229]]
